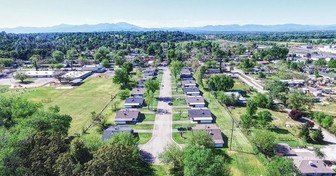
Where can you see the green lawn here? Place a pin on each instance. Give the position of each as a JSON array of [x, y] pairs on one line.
[[144, 137], [181, 139], [141, 126], [179, 103], [175, 126], [238, 85], [149, 117], [177, 117], [78, 102]]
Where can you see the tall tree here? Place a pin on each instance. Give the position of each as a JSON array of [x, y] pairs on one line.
[[35, 59], [121, 77], [102, 53], [173, 157], [176, 67], [220, 82], [58, 56], [281, 166]]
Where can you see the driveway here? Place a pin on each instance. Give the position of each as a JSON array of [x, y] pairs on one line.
[[162, 132]]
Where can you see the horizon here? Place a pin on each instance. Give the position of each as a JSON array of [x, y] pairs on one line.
[[163, 14], [169, 27]]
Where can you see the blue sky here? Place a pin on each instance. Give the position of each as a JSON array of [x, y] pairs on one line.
[[165, 13]]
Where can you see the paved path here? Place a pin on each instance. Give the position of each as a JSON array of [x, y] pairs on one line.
[[143, 131], [162, 132]]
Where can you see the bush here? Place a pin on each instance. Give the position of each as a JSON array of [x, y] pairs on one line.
[[295, 114]]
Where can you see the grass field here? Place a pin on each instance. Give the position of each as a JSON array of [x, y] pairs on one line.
[[144, 137], [181, 139], [177, 117], [78, 102]]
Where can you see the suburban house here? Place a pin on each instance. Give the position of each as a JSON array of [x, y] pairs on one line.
[[132, 102], [214, 132], [294, 82], [188, 83], [185, 74], [110, 131], [150, 72], [138, 92], [93, 68], [195, 101], [212, 71], [200, 115], [312, 167], [283, 150], [191, 91], [126, 116]]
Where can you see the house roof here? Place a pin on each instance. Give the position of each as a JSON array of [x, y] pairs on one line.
[[127, 115], [108, 133], [190, 89], [184, 82], [213, 130], [138, 91], [311, 166], [194, 100], [134, 101], [199, 113]]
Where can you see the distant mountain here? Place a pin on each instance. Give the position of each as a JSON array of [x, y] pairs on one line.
[[76, 28], [122, 26]]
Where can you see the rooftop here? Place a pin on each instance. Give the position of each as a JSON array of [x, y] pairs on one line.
[[213, 130], [195, 100], [127, 115], [107, 133]]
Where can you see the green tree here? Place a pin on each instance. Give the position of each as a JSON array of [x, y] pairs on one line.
[[176, 67], [246, 121], [123, 94], [102, 53], [229, 100], [199, 160], [332, 63], [264, 141], [128, 67], [70, 56], [200, 138], [116, 159], [199, 75], [35, 59], [276, 88], [105, 63], [317, 136], [58, 56], [304, 132], [124, 138], [281, 166], [251, 108], [44, 152], [149, 99], [316, 73], [220, 82], [298, 100], [152, 86], [121, 77], [264, 118], [263, 101], [173, 157], [320, 62], [20, 76]]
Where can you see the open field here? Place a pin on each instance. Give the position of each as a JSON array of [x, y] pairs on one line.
[[144, 137], [78, 102]]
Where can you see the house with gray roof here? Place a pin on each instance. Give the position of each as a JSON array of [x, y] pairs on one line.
[[134, 102], [214, 132], [200, 115], [195, 101], [191, 91], [312, 167], [127, 116], [188, 83], [110, 131], [138, 92]]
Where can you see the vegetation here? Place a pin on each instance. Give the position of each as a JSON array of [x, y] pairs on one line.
[[220, 82]]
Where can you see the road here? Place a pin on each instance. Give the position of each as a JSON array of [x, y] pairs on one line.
[[162, 132]]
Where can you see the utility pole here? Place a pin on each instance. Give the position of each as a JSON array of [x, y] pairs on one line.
[[232, 125]]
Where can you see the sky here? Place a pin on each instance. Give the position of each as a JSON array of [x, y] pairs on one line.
[[165, 13]]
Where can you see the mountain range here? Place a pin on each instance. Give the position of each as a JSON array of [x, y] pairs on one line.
[[122, 26]]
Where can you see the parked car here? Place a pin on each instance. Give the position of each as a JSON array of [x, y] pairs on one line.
[[170, 103]]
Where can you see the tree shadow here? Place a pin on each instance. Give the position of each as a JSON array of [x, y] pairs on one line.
[[147, 157], [279, 130]]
